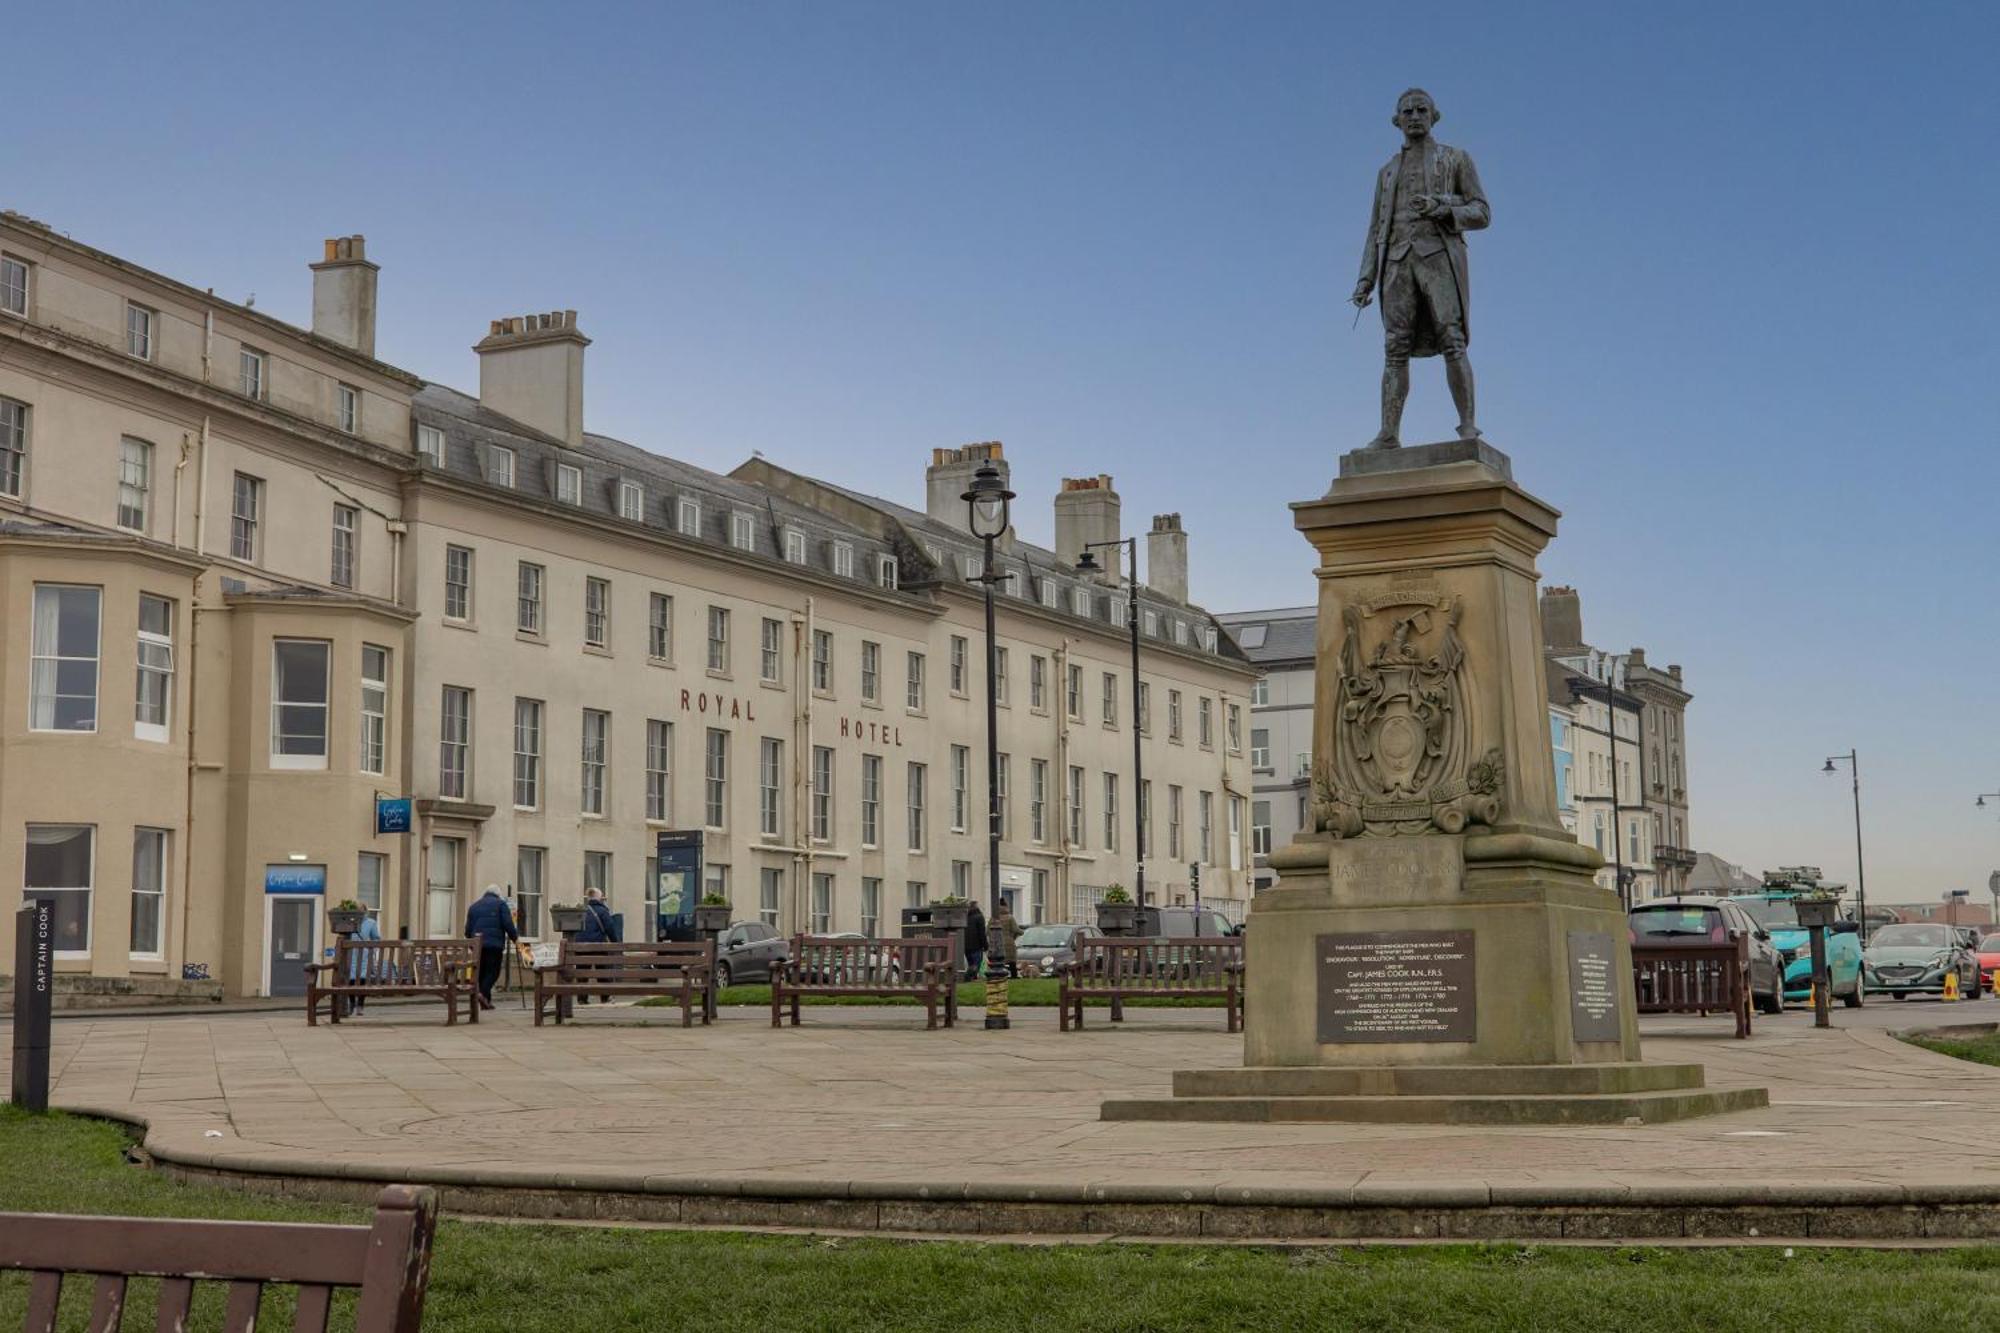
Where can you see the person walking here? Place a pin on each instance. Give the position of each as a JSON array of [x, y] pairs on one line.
[[489, 922], [359, 960], [1001, 933], [599, 927], [975, 941]]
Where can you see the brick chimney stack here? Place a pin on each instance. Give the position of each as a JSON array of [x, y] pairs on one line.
[[1166, 558], [531, 369], [344, 294]]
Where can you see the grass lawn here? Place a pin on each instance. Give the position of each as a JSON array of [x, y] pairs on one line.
[[1981, 1050], [515, 1278], [1027, 992]]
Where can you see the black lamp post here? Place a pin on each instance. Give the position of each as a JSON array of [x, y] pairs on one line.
[[986, 516], [1853, 761], [1992, 880], [1087, 564]]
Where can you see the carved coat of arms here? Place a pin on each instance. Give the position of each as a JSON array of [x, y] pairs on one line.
[[1399, 758]]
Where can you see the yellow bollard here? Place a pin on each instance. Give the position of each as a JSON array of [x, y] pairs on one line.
[[1951, 985], [996, 998]]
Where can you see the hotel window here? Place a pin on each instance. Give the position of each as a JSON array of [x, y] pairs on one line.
[[139, 330], [1073, 693], [822, 904], [915, 891], [298, 702], [1208, 637], [688, 516], [886, 573], [1173, 823], [1145, 708], [823, 661], [1003, 787], [569, 484], [718, 639], [500, 466], [1050, 593], [374, 709], [660, 627], [822, 794], [430, 444], [913, 697], [871, 672], [871, 800], [596, 612], [528, 600], [527, 754], [371, 872], [715, 779], [1235, 728], [1079, 601], [1152, 624], [770, 786], [1013, 581], [1180, 633], [1038, 896], [1038, 800], [659, 768], [1205, 721], [149, 890], [968, 565], [770, 891], [246, 506], [1118, 610], [770, 651], [250, 368], [1038, 683], [1205, 827], [1236, 833], [961, 780], [1260, 828], [958, 664], [1110, 709], [457, 583], [1260, 692], [871, 907], [597, 872], [743, 532], [795, 546], [455, 743], [631, 502], [13, 285], [61, 865], [961, 879], [135, 481], [1076, 813], [341, 566], [1110, 812], [596, 744], [1000, 676], [715, 879], [843, 560], [347, 403], [531, 869], [1145, 818], [154, 704], [916, 807], [13, 445], [1260, 749], [1173, 715]]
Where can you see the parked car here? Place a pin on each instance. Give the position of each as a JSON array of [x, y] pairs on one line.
[[747, 951], [1181, 921], [883, 956], [1043, 949], [1776, 913], [1699, 916], [1914, 957], [1989, 960]]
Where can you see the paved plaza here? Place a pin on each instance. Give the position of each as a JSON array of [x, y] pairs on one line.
[[865, 1098]]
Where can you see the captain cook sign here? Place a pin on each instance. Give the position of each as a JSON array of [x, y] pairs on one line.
[[731, 708]]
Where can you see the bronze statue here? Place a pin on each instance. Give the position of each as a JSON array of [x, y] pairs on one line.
[[1426, 199]]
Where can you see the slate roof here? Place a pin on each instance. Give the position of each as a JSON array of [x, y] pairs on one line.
[[1290, 634]]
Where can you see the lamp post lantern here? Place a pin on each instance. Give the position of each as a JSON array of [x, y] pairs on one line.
[[1087, 564], [986, 505], [1853, 761]]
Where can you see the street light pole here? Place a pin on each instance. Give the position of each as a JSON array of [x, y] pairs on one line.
[[1853, 761], [1992, 880], [1086, 565], [986, 504]]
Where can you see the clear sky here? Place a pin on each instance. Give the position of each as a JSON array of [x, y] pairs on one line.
[[1734, 316]]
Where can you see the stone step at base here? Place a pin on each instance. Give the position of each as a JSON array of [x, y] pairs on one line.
[[1531, 1109], [1437, 1081]]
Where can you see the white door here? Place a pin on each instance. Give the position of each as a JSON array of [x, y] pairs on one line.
[[441, 889]]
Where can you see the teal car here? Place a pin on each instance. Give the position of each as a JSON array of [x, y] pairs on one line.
[[1775, 913]]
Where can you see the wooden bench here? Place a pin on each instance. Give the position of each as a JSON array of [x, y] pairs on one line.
[[675, 969], [389, 1261], [1696, 976], [1157, 966], [365, 969], [923, 967]]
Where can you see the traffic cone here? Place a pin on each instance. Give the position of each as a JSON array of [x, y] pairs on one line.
[[1951, 985]]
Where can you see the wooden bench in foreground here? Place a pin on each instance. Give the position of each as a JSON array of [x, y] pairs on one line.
[[923, 967], [388, 1260], [675, 969], [1176, 967], [365, 969], [1697, 976]]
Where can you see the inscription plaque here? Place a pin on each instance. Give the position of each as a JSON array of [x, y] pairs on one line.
[[1593, 986], [1396, 985]]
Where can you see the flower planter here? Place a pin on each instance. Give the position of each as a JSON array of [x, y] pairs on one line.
[[712, 920], [567, 920], [1118, 918], [949, 918], [345, 920]]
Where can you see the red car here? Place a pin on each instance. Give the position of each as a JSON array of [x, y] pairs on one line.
[[1989, 961]]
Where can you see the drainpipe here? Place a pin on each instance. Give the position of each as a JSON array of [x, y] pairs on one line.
[[187, 449], [1061, 777], [201, 491], [802, 696], [193, 674]]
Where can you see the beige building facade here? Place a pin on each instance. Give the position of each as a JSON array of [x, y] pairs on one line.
[[254, 580]]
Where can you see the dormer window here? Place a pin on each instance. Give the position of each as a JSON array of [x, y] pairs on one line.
[[569, 484], [430, 445], [795, 546], [886, 573], [743, 531], [843, 559], [1050, 593], [1152, 624], [631, 501], [347, 407], [1013, 582], [1079, 602], [500, 466], [689, 516]]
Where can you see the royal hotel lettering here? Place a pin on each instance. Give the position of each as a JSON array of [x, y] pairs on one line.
[[720, 706]]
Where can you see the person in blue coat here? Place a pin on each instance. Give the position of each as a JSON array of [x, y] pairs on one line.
[[599, 927], [489, 922], [357, 962]]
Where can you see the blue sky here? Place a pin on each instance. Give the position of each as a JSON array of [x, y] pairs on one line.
[[1734, 316]]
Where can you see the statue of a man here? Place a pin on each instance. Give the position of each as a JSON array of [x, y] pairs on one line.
[[1426, 199]]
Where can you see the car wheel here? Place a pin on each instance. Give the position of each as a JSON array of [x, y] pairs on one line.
[[1774, 1003], [1853, 998], [1901, 994], [723, 974]]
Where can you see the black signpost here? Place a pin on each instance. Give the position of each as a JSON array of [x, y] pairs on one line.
[[34, 985]]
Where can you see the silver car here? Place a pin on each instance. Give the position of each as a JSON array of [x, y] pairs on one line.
[[1043, 949]]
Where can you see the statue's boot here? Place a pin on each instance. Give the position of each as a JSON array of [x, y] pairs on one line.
[[1458, 374], [1395, 390]]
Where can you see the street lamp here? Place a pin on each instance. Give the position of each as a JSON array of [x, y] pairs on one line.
[[986, 517], [1853, 761], [1087, 564], [1992, 880]]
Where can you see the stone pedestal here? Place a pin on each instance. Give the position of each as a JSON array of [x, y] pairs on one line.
[[1438, 949]]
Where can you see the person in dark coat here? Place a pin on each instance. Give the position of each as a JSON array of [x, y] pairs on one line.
[[599, 927], [975, 940], [489, 922], [1001, 933]]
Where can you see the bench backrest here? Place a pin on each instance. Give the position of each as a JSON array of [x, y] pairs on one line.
[[836, 961], [1162, 962], [1698, 974], [388, 1260], [610, 960], [406, 962]]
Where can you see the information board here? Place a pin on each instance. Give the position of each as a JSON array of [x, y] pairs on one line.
[[1593, 986], [1396, 985]]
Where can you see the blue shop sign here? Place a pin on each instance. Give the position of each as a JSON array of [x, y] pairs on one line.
[[392, 815], [295, 879]]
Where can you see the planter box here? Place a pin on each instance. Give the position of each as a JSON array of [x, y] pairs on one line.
[[566, 920], [712, 920], [1118, 918], [948, 918], [345, 921]]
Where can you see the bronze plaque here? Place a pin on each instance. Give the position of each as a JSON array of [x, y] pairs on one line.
[[1396, 985], [1593, 986]]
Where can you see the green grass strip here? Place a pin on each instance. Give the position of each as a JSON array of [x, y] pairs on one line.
[[1980, 1050]]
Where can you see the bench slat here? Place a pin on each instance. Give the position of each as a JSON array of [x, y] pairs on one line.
[[139, 1247], [107, 1304], [314, 1309], [44, 1295], [240, 1316], [176, 1300]]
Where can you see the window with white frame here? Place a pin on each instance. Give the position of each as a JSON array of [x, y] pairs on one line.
[[139, 321], [1145, 820], [843, 559], [822, 661], [1260, 748], [61, 865], [1120, 608], [430, 444], [715, 880], [13, 445], [871, 800], [500, 466], [597, 872], [795, 546], [1173, 715], [1205, 721], [62, 671], [742, 531], [152, 708], [13, 285], [1110, 812], [458, 583], [958, 648], [374, 753], [1260, 692], [246, 508], [1173, 823], [1236, 833], [1079, 601], [346, 519], [631, 501], [1038, 800], [1050, 593], [527, 754], [531, 873], [968, 565], [915, 893], [1038, 682], [660, 627], [1109, 711], [1205, 827], [718, 638], [886, 572], [770, 786], [528, 598], [569, 484], [961, 784], [687, 516], [916, 781], [135, 482], [1012, 582], [822, 903], [1208, 638], [1152, 624], [371, 873], [1260, 828], [250, 372], [347, 407], [871, 907], [1003, 790], [715, 779], [770, 651], [595, 749], [149, 892], [455, 743], [770, 892], [822, 793], [913, 697], [1000, 695], [961, 880], [596, 612], [299, 677], [1073, 693], [1076, 812], [659, 768], [1146, 707], [1235, 731], [871, 672]]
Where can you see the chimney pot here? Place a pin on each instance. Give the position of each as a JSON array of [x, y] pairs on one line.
[[1087, 513], [1166, 557], [344, 294], [531, 369], [950, 475]]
